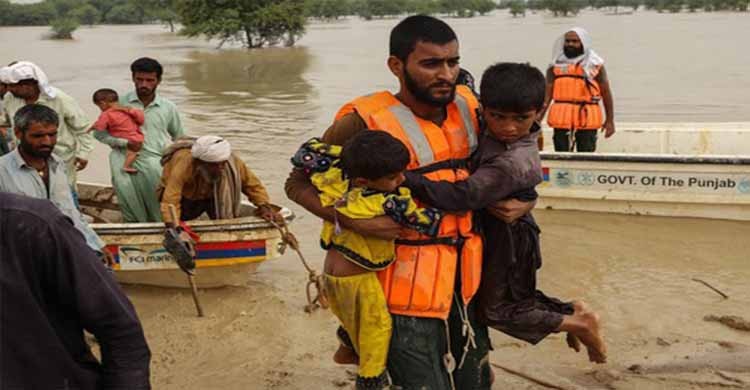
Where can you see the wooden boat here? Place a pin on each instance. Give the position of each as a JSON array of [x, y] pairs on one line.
[[680, 170], [228, 252]]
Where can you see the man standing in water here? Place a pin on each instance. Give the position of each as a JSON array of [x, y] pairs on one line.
[[29, 84], [576, 82], [137, 192], [436, 342]]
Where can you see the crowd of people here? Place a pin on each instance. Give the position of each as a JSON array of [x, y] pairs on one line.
[[425, 196]]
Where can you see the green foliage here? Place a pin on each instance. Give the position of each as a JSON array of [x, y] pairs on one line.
[[483, 6], [86, 14], [424, 7], [694, 5], [255, 23], [564, 7], [62, 28], [327, 9], [125, 13], [517, 8]]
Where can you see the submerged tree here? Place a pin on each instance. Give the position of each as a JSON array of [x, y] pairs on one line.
[[254, 23], [517, 8], [62, 28]]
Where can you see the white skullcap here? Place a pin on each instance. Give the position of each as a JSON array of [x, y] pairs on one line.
[[211, 148], [25, 70]]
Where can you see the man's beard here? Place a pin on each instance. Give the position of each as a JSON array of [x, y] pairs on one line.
[[572, 52], [29, 150], [423, 94], [206, 175], [145, 92]]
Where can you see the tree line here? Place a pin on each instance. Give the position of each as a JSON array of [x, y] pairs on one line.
[[572, 7], [258, 23]]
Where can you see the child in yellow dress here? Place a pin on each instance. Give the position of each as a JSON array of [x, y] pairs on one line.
[[361, 181]]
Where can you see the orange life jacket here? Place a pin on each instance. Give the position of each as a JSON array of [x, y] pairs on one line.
[[421, 280], [575, 100]]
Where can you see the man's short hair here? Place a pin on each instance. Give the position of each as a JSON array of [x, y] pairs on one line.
[[105, 95], [418, 28], [34, 113], [512, 87], [146, 65], [373, 154]]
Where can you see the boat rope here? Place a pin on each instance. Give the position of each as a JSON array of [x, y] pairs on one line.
[[449, 362], [314, 281]]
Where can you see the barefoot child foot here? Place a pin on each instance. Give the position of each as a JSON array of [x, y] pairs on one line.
[[583, 327]]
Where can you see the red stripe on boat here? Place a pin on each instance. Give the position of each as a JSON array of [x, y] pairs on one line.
[[231, 245]]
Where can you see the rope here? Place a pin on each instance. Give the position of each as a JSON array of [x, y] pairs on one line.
[[449, 362], [466, 329], [315, 299]]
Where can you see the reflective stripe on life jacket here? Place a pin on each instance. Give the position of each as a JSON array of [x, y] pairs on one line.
[[575, 100], [421, 280]]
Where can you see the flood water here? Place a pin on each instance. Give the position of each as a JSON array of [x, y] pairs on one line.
[[663, 68]]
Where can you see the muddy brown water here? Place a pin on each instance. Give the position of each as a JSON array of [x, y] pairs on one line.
[[636, 271]]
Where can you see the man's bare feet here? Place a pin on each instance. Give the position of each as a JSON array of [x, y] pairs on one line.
[[345, 355], [130, 170]]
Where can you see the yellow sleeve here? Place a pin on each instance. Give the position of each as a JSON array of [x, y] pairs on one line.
[[175, 174]]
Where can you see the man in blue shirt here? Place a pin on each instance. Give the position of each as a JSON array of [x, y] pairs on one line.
[[32, 170]]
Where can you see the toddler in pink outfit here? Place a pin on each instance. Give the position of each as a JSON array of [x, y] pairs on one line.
[[121, 122]]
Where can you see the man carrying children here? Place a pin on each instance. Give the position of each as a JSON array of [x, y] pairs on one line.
[[137, 192], [436, 342]]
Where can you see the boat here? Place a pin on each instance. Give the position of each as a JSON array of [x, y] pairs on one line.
[[229, 250], [688, 170]]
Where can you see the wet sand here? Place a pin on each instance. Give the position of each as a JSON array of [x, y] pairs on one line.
[[635, 271]]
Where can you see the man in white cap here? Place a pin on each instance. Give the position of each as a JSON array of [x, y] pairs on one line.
[[205, 176], [28, 84], [576, 83], [4, 121]]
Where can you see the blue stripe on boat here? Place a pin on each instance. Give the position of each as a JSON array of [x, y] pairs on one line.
[[229, 253]]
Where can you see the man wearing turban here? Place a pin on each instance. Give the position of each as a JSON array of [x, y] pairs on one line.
[[28, 84], [203, 175]]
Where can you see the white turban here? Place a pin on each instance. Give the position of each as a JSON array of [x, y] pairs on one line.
[[211, 148], [589, 60], [25, 70], [5, 75]]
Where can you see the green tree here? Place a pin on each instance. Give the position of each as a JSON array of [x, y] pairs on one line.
[[694, 5], [673, 6], [482, 6], [62, 28], [166, 12], [255, 23], [563, 7], [517, 8], [425, 7], [124, 13], [86, 14], [327, 9]]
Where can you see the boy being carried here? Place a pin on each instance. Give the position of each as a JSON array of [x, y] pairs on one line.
[[362, 181], [120, 122], [507, 165]]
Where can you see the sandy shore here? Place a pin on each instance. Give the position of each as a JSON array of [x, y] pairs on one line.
[[636, 271]]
